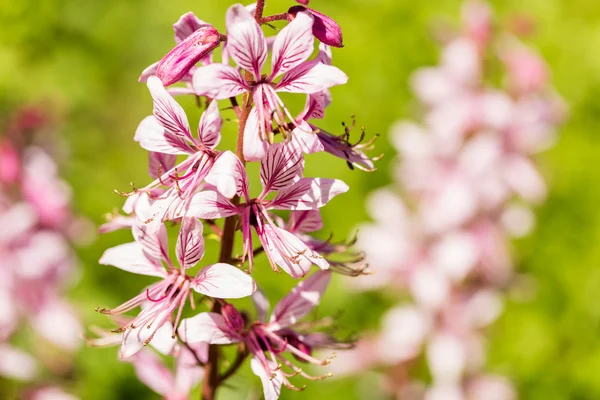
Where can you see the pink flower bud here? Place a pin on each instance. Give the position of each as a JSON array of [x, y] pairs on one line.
[[233, 319], [324, 28], [178, 61], [303, 2]]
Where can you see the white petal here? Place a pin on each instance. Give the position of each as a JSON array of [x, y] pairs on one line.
[[223, 281]]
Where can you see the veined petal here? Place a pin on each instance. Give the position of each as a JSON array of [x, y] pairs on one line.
[[153, 240], [308, 194], [206, 327], [210, 204], [255, 145], [187, 53], [315, 105], [190, 243], [131, 257], [152, 136], [293, 44], [246, 42], [218, 81], [223, 281], [228, 175], [271, 382], [283, 166], [306, 139], [305, 221], [187, 24], [167, 111], [289, 252], [209, 130], [303, 298], [311, 77], [159, 163]]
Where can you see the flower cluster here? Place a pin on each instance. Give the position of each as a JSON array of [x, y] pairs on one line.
[[469, 177], [196, 185], [37, 262]]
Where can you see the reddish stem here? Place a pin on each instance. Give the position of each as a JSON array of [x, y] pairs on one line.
[[276, 17]]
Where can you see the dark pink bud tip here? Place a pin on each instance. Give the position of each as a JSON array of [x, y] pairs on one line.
[[186, 54], [233, 319], [303, 2], [324, 28]]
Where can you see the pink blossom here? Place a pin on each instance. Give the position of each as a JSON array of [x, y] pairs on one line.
[[148, 255], [281, 172], [266, 341], [247, 45]]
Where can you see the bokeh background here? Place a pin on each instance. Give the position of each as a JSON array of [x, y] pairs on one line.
[[80, 60]]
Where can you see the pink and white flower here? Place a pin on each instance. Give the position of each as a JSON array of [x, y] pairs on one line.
[[247, 45], [267, 342], [281, 172], [149, 255]]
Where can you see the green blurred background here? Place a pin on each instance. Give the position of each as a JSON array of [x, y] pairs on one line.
[[81, 59]]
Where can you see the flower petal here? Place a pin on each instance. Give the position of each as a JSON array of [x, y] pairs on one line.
[[293, 45], [190, 243], [246, 42], [228, 175], [167, 111], [306, 139], [152, 372], [315, 105], [134, 339], [283, 166], [187, 24], [271, 382], [159, 163], [218, 81], [308, 194], [130, 257], [289, 252], [148, 72], [261, 304], [311, 77], [303, 298], [305, 221], [153, 240], [210, 204], [206, 327], [209, 130], [152, 136], [255, 147], [16, 364], [223, 281]]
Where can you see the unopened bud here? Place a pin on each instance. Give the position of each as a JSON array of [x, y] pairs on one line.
[[232, 318], [186, 54], [303, 2], [324, 28]]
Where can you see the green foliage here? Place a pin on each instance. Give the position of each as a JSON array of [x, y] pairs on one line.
[[82, 59]]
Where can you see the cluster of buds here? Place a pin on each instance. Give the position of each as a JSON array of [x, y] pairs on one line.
[[196, 185], [469, 177], [37, 262]]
